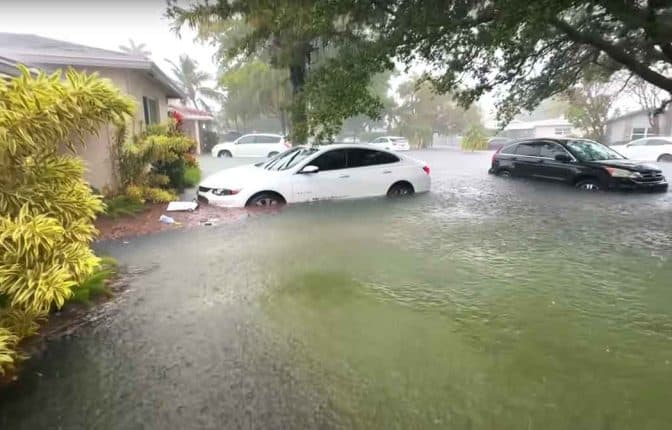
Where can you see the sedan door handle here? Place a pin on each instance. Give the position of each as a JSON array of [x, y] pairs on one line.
[[343, 176], [385, 172]]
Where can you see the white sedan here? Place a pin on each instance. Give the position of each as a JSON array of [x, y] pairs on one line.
[[252, 145], [648, 149], [305, 174], [391, 143]]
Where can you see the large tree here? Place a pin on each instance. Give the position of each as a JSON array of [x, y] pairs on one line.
[[589, 105], [525, 50]]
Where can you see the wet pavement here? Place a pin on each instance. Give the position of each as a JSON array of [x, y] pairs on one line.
[[485, 304]]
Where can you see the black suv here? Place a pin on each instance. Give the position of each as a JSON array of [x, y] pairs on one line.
[[585, 164]]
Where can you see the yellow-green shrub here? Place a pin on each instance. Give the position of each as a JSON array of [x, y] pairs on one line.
[[475, 139], [46, 208], [8, 352], [155, 158]]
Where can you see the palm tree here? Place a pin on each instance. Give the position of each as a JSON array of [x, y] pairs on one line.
[[193, 81], [139, 50]]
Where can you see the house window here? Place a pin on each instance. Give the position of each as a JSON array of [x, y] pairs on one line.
[[151, 108], [563, 131], [641, 132]]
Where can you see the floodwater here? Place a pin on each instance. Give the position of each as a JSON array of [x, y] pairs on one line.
[[486, 304]]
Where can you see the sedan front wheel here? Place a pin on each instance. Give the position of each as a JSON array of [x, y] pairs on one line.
[[265, 200]]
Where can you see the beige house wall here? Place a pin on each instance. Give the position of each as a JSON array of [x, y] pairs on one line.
[[97, 152]]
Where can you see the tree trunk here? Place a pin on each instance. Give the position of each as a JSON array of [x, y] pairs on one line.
[[654, 122], [283, 121], [297, 76]]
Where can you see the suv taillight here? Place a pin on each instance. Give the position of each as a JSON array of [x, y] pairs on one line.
[[494, 156]]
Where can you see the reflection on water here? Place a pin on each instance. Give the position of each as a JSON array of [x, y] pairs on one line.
[[486, 304]]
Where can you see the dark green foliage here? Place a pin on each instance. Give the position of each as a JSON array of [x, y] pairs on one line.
[[122, 205], [96, 284], [526, 50], [192, 176]]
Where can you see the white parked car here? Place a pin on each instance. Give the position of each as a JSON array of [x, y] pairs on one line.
[[647, 149], [305, 174], [391, 143], [252, 145]]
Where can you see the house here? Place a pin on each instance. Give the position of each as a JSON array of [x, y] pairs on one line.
[[195, 122], [517, 129], [637, 124], [137, 77]]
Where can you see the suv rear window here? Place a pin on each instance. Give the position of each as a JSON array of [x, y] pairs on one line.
[[511, 149], [266, 139], [529, 149]]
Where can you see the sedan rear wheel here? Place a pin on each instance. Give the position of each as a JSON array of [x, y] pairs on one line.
[[400, 189], [590, 185], [224, 154]]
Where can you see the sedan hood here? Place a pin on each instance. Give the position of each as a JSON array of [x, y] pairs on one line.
[[635, 166], [236, 177]]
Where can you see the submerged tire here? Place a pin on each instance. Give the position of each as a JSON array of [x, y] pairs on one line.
[[665, 158], [590, 185], [265, 200], [504, 173], [400, 189], [224, 154]]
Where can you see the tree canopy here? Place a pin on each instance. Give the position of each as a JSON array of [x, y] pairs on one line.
[[523, 51]]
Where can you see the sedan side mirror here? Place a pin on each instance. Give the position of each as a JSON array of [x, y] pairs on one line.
[[309, 169], [563, 158]]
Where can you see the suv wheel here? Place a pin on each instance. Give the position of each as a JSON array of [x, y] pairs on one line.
[[591, 185], [504, 173], [224, 154], [667, 158]]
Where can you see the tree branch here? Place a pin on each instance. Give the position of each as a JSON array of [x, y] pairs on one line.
[[615, 53]]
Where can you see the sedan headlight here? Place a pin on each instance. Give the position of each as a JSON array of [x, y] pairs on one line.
[[622, 173], [224, 192]]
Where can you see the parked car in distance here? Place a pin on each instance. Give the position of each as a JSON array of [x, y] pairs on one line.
[[585, 164], [305, 174], [496, 142], [252, 145], [648, 149], [391, 143]]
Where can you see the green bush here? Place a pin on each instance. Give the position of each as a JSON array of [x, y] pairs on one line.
[[122, 205], [156, 158], [476, 139], [46, 208], [96, 283], [192, 176]]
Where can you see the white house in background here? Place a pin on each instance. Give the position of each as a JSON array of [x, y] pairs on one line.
[[636, 125], [517, 129], [137, 77], [194, 120]]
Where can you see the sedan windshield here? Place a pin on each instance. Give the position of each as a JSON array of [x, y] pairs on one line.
[[587, 150], [288, 159]]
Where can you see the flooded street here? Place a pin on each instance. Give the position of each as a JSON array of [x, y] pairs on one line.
[[485, 304]]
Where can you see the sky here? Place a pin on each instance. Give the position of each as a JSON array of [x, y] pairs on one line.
[[106, 24]]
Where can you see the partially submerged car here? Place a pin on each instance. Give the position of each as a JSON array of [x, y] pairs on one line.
[[585, 164], [305, 174]]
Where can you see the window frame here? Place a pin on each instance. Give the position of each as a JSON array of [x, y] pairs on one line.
[[147, 104]]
